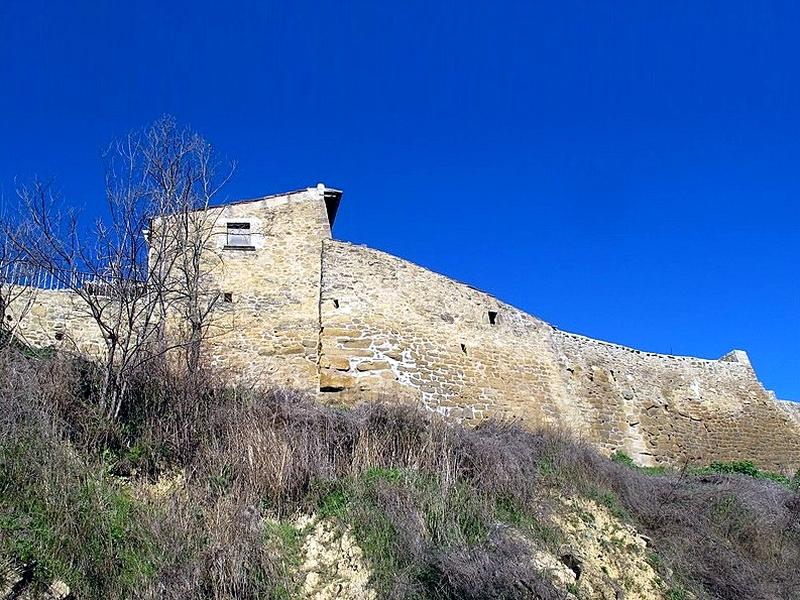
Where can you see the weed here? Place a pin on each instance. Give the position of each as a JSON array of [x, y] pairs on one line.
[[622, 458], [439, 510], [334, 504]]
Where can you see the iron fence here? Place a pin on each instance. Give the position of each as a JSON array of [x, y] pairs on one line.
[[23, 274]]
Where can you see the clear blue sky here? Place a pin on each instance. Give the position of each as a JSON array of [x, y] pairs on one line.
[[626, 170]]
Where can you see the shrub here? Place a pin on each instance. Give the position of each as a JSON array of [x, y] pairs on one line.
[[622, 458], [747, 468], [441, 511]]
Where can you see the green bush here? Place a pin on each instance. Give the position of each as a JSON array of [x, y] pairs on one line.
[[745, 467], [622, 458], [742, 467]]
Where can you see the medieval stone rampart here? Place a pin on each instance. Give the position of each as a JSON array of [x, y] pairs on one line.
[[347, 323], [792, 409], [675, 408], [391, 328], [266, 324], [54, 318]]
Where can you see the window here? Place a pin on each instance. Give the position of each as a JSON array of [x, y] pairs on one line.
[[227, 297], [492, 317], [239, 236]]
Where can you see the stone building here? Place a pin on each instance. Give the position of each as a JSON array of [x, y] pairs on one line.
[[347, 323]]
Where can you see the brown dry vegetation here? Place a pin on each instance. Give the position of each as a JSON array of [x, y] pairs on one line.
[[440, 511]]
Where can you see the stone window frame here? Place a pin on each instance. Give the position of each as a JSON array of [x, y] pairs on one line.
[[235, 239]]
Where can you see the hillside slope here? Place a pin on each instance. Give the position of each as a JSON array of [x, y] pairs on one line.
[[204, 491]]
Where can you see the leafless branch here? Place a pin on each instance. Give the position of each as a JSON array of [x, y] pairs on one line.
[[142, 273]]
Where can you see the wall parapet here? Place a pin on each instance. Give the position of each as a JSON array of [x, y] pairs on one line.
[[734, 356]]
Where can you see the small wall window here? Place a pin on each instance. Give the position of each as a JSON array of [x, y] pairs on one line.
[[227, 297], [239, 236], [492, 317]]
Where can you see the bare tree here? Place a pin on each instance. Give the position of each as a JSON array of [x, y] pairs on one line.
[[142, 273], [16, 290]]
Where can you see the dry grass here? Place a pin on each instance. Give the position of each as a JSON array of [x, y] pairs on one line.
[[441, 511]]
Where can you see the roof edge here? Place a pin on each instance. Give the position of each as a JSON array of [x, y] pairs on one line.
[[320, 187], [260, 198]]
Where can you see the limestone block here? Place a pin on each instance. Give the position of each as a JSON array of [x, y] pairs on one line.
[[351, 353], [330, 380], [373, 365], [291, 349], [340, 363], [340, 332], [360, 343]]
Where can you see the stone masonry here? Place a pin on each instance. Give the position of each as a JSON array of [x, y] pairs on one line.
[[348, 323]]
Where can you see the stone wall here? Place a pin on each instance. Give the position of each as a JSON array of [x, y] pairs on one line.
[[54, 318], [792, 409], [395, 330], [663, 408], [390, 327], [297, 309], [266, 326]]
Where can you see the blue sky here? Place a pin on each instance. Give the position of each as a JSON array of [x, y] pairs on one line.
[[626, 170]]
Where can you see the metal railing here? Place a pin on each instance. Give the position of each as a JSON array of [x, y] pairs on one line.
[[20, 273]]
